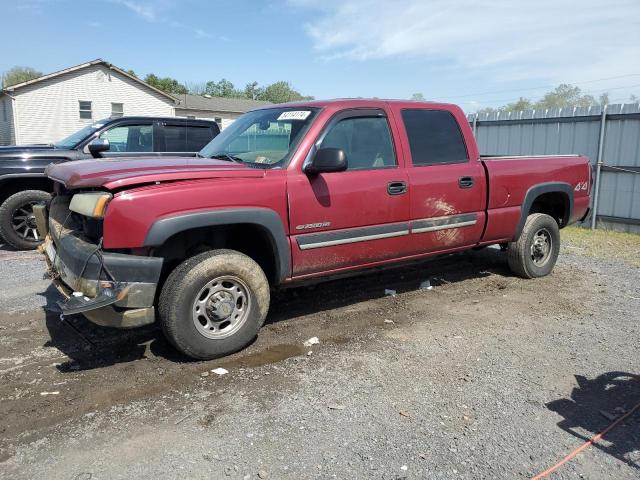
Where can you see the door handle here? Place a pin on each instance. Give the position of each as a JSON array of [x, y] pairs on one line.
[[465, 182], [396, 188]]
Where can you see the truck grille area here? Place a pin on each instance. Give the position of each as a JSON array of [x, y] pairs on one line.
[[63, 221]]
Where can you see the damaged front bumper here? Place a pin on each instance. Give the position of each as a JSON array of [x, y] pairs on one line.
[[110, 289]]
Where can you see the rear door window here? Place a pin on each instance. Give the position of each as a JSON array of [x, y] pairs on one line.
[[175, 138], [198, 137], [434, 137]]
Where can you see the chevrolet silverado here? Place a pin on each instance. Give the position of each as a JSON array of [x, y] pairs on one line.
[[291, 193]]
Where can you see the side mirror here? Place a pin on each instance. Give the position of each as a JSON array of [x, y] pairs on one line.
[[97, 146], [327, 160]]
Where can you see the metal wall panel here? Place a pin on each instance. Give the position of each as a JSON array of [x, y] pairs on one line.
[[576, 130]]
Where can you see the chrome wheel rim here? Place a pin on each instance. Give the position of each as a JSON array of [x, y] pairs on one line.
[[221, 307], [541, 247], [23, 222]]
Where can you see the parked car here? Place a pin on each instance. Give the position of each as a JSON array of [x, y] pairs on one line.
[[294, 193], [23, 182]]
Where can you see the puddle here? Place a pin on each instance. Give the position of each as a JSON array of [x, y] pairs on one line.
[[269, 355]]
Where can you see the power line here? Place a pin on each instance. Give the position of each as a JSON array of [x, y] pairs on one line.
[[537, 88]]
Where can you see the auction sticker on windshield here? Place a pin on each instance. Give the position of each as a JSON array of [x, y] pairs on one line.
[[294, 115]]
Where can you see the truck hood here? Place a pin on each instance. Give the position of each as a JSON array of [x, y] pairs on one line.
[[124, 172], [29, 151]]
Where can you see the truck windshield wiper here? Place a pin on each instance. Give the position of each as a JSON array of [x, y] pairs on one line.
[[226, 156]]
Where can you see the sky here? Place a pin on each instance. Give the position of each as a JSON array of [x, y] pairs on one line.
[[476, 53]]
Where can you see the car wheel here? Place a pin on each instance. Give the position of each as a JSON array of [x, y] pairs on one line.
[[535, 252], [214, 303], [17, 222]]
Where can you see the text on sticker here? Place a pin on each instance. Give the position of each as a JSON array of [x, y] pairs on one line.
[[294, 115]]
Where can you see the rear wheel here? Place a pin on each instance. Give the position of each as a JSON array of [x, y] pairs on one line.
[[213, 304], [535, 252], [17, 222]]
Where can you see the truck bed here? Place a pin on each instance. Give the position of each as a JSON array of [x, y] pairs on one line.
[[511, 177]]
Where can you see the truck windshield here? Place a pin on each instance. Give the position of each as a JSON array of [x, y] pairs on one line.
[[263, 138], [75, 138]]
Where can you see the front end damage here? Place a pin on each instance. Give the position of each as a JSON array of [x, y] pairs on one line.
[[110, 289]]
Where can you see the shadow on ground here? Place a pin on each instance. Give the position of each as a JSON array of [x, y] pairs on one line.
[[595, 404], [90, 346]]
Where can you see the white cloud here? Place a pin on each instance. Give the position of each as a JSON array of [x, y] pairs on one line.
[[155, 12], [146, 10], [556, 40]]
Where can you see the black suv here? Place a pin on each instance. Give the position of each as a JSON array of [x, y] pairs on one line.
[[24, 184]]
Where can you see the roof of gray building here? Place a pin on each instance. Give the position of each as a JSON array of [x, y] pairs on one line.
[[218, 104]]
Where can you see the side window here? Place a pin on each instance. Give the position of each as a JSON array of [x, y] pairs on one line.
[[434, 137], [198, 137], [85, 110], [366, 141], [130, 138], [175, 138], [117, 109]]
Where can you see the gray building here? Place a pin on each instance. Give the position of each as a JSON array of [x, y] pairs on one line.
[[221, 109]]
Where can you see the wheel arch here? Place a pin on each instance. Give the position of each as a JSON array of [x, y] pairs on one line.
[[11, 184], [267, 221], [552, 198]]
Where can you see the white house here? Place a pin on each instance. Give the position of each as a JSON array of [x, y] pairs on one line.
[[51, 107]]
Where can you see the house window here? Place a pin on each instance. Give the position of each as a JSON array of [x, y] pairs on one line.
[[117, 109], [85, 110]]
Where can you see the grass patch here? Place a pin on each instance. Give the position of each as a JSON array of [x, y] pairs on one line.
[[602, 244]]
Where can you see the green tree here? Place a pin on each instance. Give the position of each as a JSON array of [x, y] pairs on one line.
[[253, 91], [521, 104], [418, 97], [281, 92], [17, 75], [564, 96], [132, 73], [166, 84], [223, 88]]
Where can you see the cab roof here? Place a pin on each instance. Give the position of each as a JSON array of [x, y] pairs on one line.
[[358, 102]]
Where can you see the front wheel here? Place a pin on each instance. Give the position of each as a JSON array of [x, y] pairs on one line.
[[214, 303], [17, 221], [535, 252]]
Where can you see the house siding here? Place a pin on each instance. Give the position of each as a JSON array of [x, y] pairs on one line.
[[227, 117], [6, 126], [48, 111]]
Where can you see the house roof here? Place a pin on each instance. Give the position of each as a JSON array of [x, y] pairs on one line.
[[218, 104], [97, 61]]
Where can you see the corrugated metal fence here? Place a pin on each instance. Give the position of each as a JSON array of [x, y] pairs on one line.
[[608, 135]]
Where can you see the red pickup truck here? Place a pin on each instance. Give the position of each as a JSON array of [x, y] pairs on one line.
[[290, 193]]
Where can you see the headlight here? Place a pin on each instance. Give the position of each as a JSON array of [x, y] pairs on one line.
[[91, 204]]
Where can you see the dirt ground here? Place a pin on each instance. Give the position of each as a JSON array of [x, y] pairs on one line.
[[483, 376]]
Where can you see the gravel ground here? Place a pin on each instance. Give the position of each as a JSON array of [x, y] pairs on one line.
[[483, 376]]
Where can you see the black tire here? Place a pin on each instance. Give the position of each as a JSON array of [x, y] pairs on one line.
[[23, 237], [180, 294], [529, 257]]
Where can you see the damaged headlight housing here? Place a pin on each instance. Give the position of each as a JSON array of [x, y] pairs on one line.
[[90, 204]]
